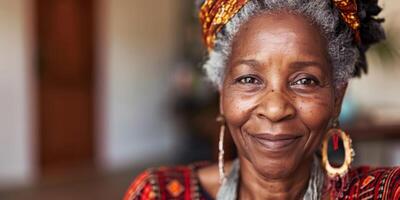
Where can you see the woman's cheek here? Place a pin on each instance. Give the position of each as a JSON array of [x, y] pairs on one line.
[[315, 112], [237, 111], [237, 108]]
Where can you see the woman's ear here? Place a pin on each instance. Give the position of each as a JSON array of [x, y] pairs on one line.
[[340, 91]]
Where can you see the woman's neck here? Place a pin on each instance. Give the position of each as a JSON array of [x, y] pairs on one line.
[[255, 186]]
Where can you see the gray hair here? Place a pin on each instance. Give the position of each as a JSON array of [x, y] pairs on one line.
[[343, 54]]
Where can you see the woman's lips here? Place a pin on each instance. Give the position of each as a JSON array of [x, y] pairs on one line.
[[275, 142]]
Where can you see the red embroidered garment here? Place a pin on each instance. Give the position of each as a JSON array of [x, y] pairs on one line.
[[182, 183], [167, 183], [368, 183]]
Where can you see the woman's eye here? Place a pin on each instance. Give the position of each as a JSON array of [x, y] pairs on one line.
[[248, 80], [306, 81]]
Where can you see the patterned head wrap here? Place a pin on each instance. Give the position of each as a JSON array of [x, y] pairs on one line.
[[214, 14], [348, 12]]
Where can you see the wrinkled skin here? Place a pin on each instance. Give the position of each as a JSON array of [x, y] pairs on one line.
[[278, 98]]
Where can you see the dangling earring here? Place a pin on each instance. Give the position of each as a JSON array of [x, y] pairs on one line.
[[337, 174], [221, 169]]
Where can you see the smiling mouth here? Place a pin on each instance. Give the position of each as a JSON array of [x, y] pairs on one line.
[[275, 143]]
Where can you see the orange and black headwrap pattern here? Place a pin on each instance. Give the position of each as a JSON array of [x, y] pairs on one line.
[[214, 14], [348, 12]]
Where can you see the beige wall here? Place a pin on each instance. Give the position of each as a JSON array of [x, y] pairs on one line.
[[137, 50], [16, 155]]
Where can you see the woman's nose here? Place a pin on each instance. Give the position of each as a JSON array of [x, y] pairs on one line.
[[275, 107]]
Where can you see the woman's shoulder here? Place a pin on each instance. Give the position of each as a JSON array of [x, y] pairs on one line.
[[174, 182], [369, 182]]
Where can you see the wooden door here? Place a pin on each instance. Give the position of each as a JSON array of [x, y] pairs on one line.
[[65, 55]]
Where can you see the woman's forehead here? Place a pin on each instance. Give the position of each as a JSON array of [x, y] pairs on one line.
[[280, 32]]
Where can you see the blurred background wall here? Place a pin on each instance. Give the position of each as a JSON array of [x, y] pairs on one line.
[[137, 98], [139, 49], [375, 98], [17, 144]]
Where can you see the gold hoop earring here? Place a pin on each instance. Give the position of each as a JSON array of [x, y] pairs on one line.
[[335, 132], [221, 169]]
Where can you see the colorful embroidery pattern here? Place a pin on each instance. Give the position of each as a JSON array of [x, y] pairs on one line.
[[166, 183], [181, 183], [367, 183]]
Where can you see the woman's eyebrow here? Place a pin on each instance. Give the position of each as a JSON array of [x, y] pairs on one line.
[[303, 64], [297, 64], [248, 62]]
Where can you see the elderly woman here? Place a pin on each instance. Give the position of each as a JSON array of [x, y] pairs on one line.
[[281, 68]]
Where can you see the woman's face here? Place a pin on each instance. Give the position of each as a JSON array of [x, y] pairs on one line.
[[278, 94]]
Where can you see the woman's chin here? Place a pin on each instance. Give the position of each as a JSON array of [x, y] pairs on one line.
[[276, 165], [276, 168]]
